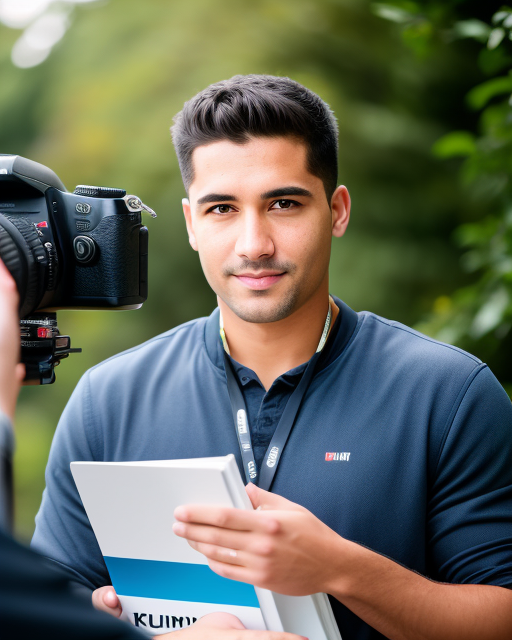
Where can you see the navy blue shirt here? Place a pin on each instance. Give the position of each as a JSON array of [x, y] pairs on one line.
[[402, 444], [265, 408]]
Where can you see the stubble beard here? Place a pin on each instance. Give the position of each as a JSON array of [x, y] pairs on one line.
[[263, 313]]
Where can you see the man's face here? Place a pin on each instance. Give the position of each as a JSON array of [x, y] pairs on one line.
[[262, 225]]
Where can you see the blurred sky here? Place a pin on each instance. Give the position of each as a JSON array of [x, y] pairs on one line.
[[43, 24]]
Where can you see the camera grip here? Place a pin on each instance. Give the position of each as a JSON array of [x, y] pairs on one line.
[[115, 273]]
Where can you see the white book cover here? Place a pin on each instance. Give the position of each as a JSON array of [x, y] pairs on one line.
[[163, 584]]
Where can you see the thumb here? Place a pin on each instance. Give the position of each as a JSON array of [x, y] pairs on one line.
[[20, 372], [105, 599], [262, 499]]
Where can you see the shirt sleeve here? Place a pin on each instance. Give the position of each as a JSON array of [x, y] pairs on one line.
[[470, 506], [63, 532]]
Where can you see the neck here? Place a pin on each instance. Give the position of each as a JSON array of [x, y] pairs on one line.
[[270, 349]]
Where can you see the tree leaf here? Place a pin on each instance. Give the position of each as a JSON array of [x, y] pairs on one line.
[[391, 13], [495, 38], [455, 143], [482, 93], [472, 29], [500, 16], [490, 314]]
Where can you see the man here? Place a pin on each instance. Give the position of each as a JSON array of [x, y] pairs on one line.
[[393, 457]]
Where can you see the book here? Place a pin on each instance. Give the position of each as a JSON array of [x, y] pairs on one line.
[[163, 584]]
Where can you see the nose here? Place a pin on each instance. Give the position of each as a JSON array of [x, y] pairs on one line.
[[254, 240]]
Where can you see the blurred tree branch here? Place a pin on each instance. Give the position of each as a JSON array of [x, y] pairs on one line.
[[485, 306]]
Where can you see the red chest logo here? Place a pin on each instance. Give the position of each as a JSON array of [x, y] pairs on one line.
[[337, 456]]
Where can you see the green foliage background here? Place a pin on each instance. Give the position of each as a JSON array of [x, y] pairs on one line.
[[99, 109]]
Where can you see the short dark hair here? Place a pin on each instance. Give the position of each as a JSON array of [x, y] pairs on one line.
[[248, 106]]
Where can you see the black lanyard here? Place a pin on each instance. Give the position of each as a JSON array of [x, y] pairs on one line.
[[282, 432]]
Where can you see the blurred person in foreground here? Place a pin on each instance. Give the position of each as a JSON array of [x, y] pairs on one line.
[[37, 599], [392, 493]]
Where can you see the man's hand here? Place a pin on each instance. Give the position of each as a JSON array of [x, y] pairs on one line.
[[224, 626], [209, 627], [11, 371], [105, 599], [281, 546], [214, 626]]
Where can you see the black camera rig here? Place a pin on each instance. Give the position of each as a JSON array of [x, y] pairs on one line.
[[82, 250]]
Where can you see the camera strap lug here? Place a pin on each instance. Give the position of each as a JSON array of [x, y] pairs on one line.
[[135, 204]]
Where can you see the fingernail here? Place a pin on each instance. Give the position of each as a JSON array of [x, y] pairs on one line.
[[177, 512], [178, 528]]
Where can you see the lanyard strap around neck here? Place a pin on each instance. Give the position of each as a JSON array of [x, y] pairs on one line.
[[285, 425]]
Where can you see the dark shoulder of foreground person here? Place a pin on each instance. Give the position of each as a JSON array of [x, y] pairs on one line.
[[38, 601]]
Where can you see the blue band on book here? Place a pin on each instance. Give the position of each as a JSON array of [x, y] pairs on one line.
[[177, 581]]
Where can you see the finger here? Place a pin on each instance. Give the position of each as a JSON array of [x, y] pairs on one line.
[[225, 626], [214, 626], [262, 499], [6, 278], [221, 620], [225, 518], [105, 599], [232, 634], [271, 635], [20, 372], [233, 572], [8, 286], [211, 535], [110, 598], [220, 554], [214, 633]]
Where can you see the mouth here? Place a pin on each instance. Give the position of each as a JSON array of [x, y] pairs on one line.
[[261, 280]]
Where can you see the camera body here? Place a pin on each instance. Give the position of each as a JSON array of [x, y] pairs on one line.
[[90, 251], [83, 250]]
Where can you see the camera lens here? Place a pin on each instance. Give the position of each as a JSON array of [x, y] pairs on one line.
[[25, 257]]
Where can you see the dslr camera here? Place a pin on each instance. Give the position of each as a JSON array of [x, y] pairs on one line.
[[82, 250]]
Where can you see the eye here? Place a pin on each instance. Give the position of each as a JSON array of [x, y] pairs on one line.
[[285, 204], [221, 209]]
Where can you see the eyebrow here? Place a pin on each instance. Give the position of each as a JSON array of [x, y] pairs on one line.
[[273, 193], [215, 197], [286, 191]]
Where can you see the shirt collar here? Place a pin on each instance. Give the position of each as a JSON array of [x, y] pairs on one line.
[[338, 339], [245, 375]]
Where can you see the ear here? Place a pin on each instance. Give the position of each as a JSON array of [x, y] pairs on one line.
[[340, 207], [188, 221]]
